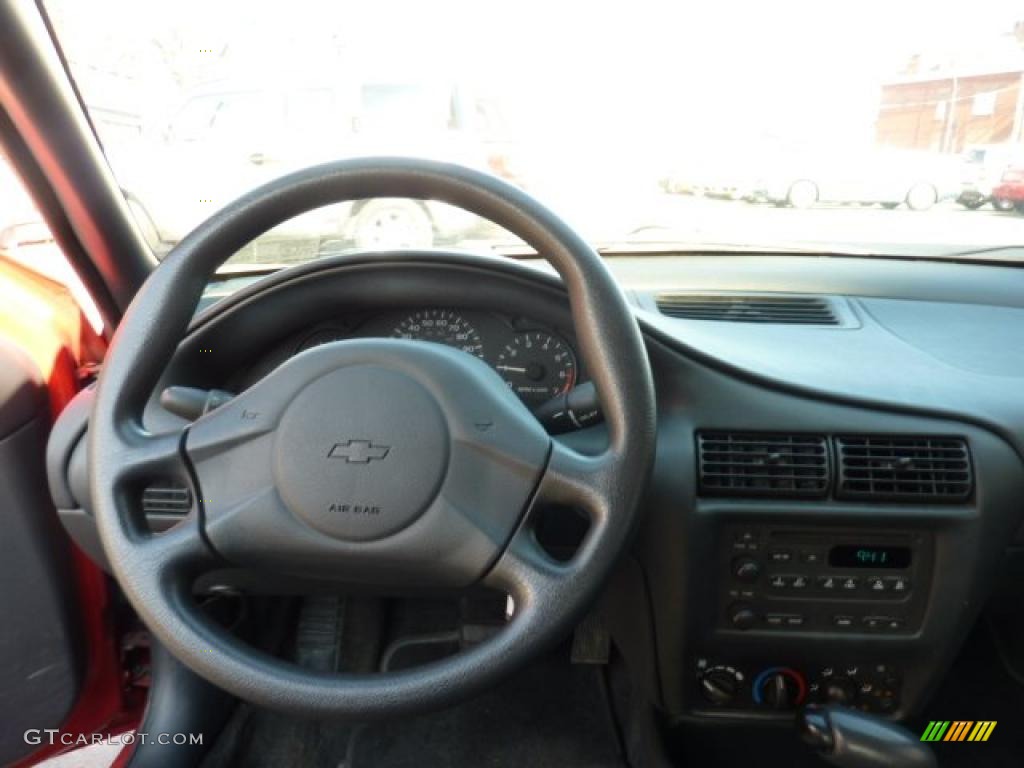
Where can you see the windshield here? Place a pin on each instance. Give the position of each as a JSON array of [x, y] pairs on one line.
[[866, 128]]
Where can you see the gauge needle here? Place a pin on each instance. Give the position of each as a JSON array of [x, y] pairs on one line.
[[511, 368]]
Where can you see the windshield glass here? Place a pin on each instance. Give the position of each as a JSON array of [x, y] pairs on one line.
[[866, 128]]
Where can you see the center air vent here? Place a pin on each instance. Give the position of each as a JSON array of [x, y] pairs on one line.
[[893, 468], [751, 464], [752, 308], [166, 498]]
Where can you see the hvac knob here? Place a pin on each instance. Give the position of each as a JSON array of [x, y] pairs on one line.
[[720, 685], [840, 690], [780, 688]]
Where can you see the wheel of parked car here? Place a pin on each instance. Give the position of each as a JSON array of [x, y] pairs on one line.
[[392, 223], [1002, 205], [922, 196], [973, 205], [802, 194]]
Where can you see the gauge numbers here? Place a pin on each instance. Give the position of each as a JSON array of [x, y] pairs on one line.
[[442, 326], [537, 366]]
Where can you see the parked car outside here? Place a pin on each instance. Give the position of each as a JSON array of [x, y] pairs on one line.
[[225, 139], [879, 176], [724, 174], [1011, 187], [983, 168]]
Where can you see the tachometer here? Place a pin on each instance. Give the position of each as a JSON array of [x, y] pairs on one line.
[[537, 366], [442, 326]]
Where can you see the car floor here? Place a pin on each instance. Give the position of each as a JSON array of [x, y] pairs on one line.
[[553, 714], [549, 716]]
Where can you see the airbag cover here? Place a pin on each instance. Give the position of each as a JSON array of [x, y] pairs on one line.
[[361, 453]]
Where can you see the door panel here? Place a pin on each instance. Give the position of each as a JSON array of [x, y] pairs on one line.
[[42, 658]]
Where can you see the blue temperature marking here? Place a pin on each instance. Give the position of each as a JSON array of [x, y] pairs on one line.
[[760, 679]]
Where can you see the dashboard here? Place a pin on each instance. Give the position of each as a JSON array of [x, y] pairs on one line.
[[535, 361], [831, 502]]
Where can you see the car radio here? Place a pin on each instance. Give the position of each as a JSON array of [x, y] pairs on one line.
[[823, 580]]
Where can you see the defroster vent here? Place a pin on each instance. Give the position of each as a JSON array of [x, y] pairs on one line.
[[752, 464], [749, 308]]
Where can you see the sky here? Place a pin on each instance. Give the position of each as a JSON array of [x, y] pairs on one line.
[[646, 76]]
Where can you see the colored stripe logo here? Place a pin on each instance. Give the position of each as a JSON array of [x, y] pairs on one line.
[[958, 730]]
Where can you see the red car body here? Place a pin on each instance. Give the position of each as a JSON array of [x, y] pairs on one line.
[[1011, 186]]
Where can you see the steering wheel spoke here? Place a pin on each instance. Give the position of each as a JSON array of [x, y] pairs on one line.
[[143, 456], [570, 479], [575, 479], [178, 552]]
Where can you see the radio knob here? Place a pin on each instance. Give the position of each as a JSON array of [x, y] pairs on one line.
[[742, 616], [746, 569], [719, 686]]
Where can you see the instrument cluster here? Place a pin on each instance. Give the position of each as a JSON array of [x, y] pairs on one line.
[[536, 362]]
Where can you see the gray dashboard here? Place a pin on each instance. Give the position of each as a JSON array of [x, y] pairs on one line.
[[923, 349]]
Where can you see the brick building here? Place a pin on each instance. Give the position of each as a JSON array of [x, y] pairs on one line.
[[946, 103]]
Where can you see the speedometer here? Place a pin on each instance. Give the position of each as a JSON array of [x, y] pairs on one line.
[[442, 326], [537, 366]]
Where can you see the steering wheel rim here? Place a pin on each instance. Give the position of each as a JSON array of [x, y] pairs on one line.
[[156, 571]]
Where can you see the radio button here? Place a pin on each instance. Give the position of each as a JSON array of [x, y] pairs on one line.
[[826, 582], [876, 584], [899, 584], [779, 582], [850, 583], [780, 555], [882, 622], [798, 582], [843, 622], [811, 558]]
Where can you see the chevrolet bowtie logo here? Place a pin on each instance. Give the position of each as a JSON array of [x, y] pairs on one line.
[[358, 452]]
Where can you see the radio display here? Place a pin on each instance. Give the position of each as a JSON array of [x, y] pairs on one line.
[[855, 556]]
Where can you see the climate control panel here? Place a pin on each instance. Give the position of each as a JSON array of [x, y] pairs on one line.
[[870, 687], [823, 580]]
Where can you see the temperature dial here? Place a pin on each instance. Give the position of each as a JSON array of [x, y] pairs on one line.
[[780, 688]]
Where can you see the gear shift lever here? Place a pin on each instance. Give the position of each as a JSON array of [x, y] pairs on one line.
[[852, 739]]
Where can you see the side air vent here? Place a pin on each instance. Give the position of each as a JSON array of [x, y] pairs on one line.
[[751, 464], [753, 308], [166, 498], [893, 468]]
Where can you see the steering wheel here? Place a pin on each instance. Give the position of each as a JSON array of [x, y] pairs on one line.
[[376, 462]]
